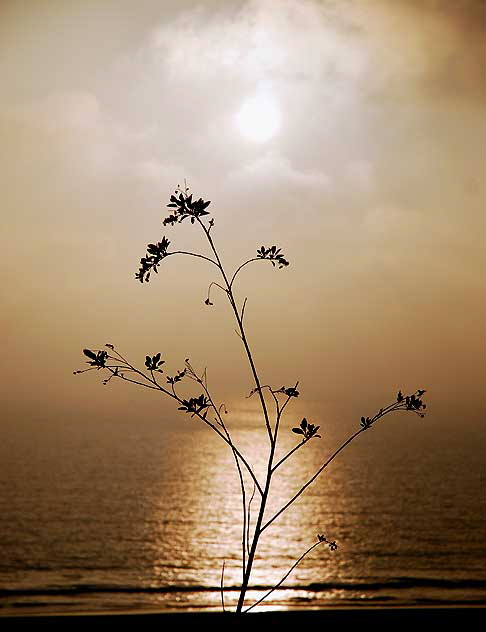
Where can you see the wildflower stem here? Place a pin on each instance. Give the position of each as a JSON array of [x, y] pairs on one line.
[[192, 254], [222, 586], [316, 544], [266, 489], [395, 406], [238, 467], [240, 326], [290, 452], [242, 266], [312, 479]]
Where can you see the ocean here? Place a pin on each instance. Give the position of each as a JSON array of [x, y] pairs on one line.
[[105, 517]]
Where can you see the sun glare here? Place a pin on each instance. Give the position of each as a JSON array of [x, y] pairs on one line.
[[259, 118]]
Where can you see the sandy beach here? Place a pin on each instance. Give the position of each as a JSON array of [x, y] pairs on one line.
[[378, 618]]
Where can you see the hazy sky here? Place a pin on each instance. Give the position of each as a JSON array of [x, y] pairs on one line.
[[373, 186]]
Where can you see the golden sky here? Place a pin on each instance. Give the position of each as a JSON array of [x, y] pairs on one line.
[[368, 173]]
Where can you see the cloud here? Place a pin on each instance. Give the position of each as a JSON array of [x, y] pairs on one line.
[[386, 49], [272, 171]]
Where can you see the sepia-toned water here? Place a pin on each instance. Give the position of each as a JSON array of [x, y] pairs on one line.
[[115, 518]]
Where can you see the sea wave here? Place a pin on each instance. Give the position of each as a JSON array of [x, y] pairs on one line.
[[394, 584]]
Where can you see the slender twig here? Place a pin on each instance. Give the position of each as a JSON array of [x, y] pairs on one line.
[[245, 517], [229, 441], [208, 300], [241, 328], [191, 254], [381, 413], [154, 385], [280, 411], [285, 576], [127, 379], [243, 309], [312, 479], [242, 266], [290, 452], [249, 518], [203, 381], [222, 586], [233, 447]]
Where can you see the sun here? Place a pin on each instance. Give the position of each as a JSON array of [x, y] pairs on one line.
[[259, 118]]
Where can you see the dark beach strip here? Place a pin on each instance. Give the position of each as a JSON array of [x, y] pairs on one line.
[[378, 618]]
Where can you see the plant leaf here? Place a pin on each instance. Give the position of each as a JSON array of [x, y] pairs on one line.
[[89, 354]]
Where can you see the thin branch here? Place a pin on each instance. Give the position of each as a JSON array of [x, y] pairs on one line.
[[120, 357], [191, 254], [222, 586], [233, 447], [240, 267], [395, 406], [249, 517], [154, 385], [203, 381], [311, 480], [285, 576], [208, 300], [280, 412], [130, 367], [289, 454], [224, 407], [289, 397], [127, 379], [243, 309], [242, 331], [245, 517], [272, 392]]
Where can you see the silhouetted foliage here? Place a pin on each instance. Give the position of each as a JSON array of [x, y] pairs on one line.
[[194, 405], [274, 255], [176, 378], [307, 429], [154, 363], [290, 391], [151, 261], [185, 207], [98, 358], [202, 405]]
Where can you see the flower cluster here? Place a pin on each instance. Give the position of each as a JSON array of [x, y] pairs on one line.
[[307, 429], [274, 255], [184, 207], [331, 543], [154, 363], [98, 358], [290, 391], [412, 402], [151, 261], [176, 378], [366, 423], [194, 405]]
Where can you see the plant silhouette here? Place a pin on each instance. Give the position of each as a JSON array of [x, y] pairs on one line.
[[202, 405]]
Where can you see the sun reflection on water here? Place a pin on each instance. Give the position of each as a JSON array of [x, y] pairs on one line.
[[200, 514], [382, 501]]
